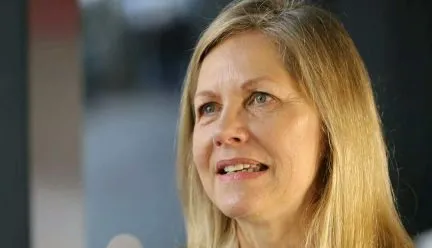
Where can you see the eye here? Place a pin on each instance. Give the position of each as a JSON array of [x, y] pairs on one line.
[[260, 98], [207, 109]]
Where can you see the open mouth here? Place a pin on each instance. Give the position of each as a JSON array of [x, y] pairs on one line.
[[242, 168]]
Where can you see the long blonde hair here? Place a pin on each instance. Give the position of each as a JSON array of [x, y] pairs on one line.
[[356, 204]]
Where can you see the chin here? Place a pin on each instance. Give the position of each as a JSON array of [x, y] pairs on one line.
[[236, 206]]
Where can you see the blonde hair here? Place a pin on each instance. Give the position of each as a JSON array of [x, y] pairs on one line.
[[356, 204]]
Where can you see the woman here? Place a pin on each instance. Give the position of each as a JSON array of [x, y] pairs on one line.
[[280, 143]]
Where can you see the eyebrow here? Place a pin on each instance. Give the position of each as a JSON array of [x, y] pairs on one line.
[[255, 82], [248, 84]]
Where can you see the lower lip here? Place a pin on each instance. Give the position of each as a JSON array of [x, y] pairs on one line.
[[237, 176]]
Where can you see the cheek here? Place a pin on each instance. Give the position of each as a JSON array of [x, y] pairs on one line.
[[302, 146], [200, 149], [292, 142]]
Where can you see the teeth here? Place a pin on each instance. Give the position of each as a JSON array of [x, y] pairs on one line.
[[230, 168], [240, 167]]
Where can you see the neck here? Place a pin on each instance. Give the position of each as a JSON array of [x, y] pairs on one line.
[[270, 234]]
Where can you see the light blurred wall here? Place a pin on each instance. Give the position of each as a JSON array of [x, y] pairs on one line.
[[130, 123], [55, 124]]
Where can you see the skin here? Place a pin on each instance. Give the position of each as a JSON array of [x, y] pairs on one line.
[[248, 106]]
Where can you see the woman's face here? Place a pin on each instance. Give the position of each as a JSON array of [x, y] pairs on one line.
[[256, 140]]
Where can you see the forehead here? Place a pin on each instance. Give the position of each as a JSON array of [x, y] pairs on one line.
[[239, 58]]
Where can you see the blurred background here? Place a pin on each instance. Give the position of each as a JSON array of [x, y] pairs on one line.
[[135, 57], [89, 92]]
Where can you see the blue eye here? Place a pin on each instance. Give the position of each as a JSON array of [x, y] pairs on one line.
[[207, 108], [260, 98]]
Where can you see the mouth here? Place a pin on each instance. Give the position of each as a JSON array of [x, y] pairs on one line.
[[235, 168]]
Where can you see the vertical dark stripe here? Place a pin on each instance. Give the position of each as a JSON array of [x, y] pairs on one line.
[[14, 217]]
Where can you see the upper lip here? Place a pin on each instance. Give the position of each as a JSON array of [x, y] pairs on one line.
[[221, 164]]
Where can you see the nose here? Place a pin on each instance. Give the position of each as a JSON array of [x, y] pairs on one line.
[[231, 130]]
